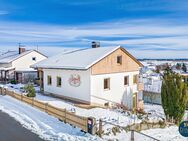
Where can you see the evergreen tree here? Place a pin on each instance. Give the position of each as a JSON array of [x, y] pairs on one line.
[[174, 94], [178, 66], [184, 68]]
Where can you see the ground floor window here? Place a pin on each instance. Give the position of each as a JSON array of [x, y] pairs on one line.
[[49, 80], [107, 83], [58, 81], [126, 80]]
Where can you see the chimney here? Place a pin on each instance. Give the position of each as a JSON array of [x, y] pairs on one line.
[[95, 44], [21, 50]]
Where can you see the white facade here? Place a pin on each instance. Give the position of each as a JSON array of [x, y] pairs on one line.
[[81, 92], [24, 62], [15, 65], [84, 75], [91, 88], [118, 92]]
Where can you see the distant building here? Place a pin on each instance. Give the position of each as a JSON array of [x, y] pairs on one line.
[[101, 75], [15, 65], [152, 86]]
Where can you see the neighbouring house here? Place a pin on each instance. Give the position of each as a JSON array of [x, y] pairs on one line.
[[100, 75], [152, 86], [15, 65]]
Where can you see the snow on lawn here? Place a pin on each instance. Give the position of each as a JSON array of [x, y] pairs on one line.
[[109, 115], [155, 112], [114, 116], [166, 134], [46, 126]]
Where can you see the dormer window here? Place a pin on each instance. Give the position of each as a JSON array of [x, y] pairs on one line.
[[34, 58], [119, 60]]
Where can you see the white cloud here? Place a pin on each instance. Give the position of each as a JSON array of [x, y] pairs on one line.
[[165, 38]]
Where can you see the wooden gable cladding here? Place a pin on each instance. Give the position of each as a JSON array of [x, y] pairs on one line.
[[109, 63]]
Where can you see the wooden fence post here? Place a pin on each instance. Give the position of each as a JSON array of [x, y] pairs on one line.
[[21, 97], [12, 93], [172, 119], [167, 118], [4, 91], [132, 135], [1, 91], [100, 127], [32, 101], [65, 116], [46, 107]]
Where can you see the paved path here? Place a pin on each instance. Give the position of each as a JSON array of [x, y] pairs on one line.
[[11, 130]]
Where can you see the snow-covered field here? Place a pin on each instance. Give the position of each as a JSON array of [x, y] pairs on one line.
[[50, 128]]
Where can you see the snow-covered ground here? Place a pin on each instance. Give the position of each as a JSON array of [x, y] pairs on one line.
[[166, 134], [155, 112], [46, 126], [54, 129], [115, 116]]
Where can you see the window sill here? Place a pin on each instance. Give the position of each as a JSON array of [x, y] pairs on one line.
[[107, 89], [119, 64]]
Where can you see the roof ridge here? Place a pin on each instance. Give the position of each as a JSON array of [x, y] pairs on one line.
[[75, 51]]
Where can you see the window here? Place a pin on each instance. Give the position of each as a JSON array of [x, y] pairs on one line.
[[126, 80], [107, 83], [49, 80], [135, 79], [34, 58], [119, 60], [58, 81]]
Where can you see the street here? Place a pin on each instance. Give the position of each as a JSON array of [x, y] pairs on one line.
[[11, 130]]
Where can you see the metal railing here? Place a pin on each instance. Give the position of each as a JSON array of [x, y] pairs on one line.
[[132, 136]]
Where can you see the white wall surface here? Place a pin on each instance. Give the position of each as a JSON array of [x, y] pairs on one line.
[[26, 61], [117, 93], [82, 92]]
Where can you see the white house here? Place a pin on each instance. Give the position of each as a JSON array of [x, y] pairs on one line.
[[94, 75], [15, 65]]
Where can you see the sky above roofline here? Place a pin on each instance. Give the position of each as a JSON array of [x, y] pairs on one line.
[[146, 28]]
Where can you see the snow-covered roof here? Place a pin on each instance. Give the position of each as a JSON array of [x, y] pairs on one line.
[[78, 59], [10, 56], [6, 68], [26, 70]]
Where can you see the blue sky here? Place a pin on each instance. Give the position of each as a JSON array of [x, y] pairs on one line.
[[146, 28]]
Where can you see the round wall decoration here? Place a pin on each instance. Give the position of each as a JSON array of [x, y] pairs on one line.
[[74, 80]]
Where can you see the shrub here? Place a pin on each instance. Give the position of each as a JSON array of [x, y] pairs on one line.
[[30, 90], [13, 81]]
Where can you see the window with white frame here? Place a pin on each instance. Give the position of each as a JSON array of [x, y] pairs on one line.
[[58, 81], [106, 83], [126, 80]]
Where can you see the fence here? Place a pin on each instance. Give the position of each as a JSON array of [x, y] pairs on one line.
[[84, 123], [132, 128]]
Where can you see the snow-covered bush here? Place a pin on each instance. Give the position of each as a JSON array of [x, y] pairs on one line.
[[13, 81], [30, 90]]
